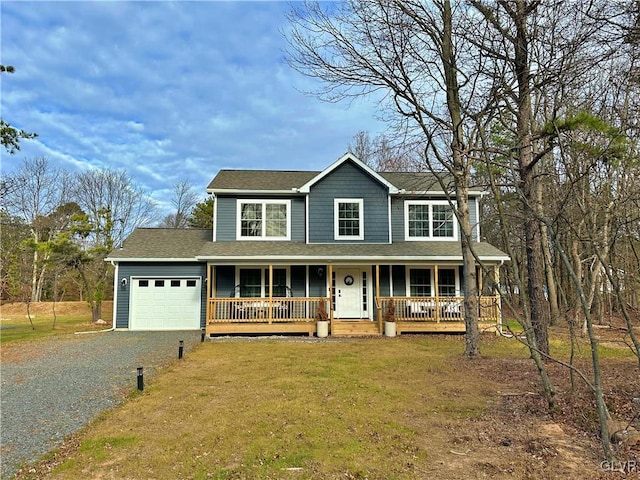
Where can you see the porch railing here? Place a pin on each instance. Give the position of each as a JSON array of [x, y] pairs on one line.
[[439, 309], [264, 310], [303, 309]]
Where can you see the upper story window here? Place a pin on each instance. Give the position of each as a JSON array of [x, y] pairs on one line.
[[264, 220], [348, 219], [429, 220]]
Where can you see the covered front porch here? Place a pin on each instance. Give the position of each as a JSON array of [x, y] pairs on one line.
[[282, 299]]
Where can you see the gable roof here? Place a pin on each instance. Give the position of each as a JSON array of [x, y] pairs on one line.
[[294, 181], [348, 157]]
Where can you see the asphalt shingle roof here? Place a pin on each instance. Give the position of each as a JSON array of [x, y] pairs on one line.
[[286, 180], [162, 243], [147, 244]]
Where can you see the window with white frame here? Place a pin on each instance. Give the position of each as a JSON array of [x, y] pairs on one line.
[[348, 219], [429, 220], [264, 220]]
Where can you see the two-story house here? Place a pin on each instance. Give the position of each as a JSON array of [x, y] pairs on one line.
[[284, 242]]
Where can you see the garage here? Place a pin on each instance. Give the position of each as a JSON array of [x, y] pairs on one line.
[[165, 303]]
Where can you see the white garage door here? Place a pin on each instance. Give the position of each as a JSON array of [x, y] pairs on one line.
[[165, 304]]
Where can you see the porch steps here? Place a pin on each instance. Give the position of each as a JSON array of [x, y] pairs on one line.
[[354, 328]]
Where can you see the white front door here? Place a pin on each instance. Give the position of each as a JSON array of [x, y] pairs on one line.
[[349, 293]]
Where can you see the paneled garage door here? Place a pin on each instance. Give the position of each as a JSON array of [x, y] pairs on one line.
[[165, 304]]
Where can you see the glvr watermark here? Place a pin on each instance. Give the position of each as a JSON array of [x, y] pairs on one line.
[[625, 466]]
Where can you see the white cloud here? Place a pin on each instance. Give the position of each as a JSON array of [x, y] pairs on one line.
[[166, 90]]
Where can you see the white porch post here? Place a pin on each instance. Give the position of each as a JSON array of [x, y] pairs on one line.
[[270, 302], [435, 284], [377, 301], [330, 290]]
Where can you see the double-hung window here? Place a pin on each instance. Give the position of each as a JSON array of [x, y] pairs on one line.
[[264, 220], [420, 282], [447, 282], [429, 220], [348, 219], [254, 282]]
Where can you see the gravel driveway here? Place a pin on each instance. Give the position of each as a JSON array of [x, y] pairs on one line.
[[52, 388]]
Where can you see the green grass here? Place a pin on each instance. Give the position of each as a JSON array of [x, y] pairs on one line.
[[367, 408], [20, 330], [258, 410]]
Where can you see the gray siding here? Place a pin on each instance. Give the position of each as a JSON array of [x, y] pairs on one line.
[[225, 219], [474, 217], [397, 219], [398, 273], [317, 283], [227, 215], [164, 270], [348, 181], [298, 280], [225, 280]]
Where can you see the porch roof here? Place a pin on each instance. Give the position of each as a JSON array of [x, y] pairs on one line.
[[298, 252], [196, 245]]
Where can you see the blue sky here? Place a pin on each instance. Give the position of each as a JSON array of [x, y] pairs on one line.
[[165, 90]]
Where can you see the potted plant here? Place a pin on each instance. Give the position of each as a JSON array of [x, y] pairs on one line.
[[390, 319], [322, 319]]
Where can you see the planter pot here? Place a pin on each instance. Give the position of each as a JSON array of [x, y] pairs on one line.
[[390, 329], [322, 329]]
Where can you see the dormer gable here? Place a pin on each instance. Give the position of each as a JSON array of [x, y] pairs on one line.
[[349, 157]]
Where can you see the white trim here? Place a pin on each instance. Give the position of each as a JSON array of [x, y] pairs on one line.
[[336, 218], [347, 259], [346, 157], [244, 191], [390, 227], [439, 193], [215, 217], [151, 259], [263, 203], [116, 283], [306, 219], [477, 226], [431, 238]]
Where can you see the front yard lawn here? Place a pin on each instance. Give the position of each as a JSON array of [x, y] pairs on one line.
[[402, 408]]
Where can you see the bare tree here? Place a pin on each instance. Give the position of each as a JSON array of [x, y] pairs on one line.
[[113, 206], [129, 205], [409, 53], [184, 199], [383, 155], [42, 189]]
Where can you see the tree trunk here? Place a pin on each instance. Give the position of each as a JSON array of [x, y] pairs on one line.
[[96, 311], [528, 179], [461, 175], [552, 291]]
